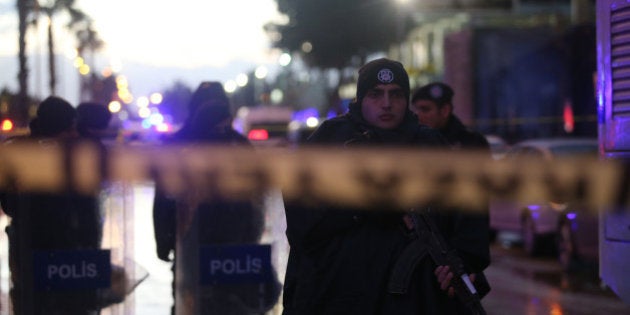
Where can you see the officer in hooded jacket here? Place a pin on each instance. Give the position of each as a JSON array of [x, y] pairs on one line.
[[206, 123], [341, 259], [215, 221]]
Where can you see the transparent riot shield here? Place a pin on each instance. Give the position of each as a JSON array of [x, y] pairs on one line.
[[230, 255], [4, 265], [118, 207], [70, 253]]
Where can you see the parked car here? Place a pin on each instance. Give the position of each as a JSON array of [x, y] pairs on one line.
[[264, 125], [540, 225]]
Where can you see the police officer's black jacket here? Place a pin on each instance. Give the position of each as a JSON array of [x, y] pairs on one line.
[[49, 221], [340, 259], [459, 136]]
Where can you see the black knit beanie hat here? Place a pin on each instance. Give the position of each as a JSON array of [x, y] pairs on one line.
[[207, 91], [93, 115], [381, 71], [54, 115]]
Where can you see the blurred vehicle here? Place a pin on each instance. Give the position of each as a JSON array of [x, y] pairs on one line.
[[498, 146], [264, 125], [538, 224], [299, 131]]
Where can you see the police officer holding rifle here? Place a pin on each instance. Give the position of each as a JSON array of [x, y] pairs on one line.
[[346, 260]]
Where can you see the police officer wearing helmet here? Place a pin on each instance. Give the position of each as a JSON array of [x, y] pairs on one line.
[[341, 258], [433, 104]]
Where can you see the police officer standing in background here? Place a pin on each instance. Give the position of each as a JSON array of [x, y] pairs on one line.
[[433, 104]]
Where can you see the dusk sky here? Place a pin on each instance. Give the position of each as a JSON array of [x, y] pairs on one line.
[[152, 42]]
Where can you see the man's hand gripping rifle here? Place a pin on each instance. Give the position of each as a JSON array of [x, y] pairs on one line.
[[430, 241]]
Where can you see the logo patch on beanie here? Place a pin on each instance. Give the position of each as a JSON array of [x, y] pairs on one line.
[[436, 92], [385, 76]]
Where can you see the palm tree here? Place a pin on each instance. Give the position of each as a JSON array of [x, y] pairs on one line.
[[25, 8], [87, 39], [88, 42], [55, 7]]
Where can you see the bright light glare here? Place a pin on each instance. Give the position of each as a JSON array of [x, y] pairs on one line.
[[84, 69], [121, 82], [230, 86], [7, 125], [144, 112], [163, 127], [114, 106], [156, 119], [242, 79], [156, 98], [276, 96], [312, 122], [261, 72], [285, 59], [125, 96], [142, 101], [78, 62]]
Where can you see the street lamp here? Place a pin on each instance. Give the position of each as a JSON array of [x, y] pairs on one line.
[[230, 86], [261, 72], [284, 60], [242, 79]]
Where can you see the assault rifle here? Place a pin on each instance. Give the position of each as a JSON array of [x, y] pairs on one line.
[[430, 241]]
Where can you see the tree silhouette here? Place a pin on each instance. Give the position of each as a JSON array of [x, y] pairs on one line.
[[25, 10], [338, 31], [77, 16], [88, 43], [87, 37]]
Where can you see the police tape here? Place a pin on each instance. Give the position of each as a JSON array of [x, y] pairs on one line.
[[357, 177]]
